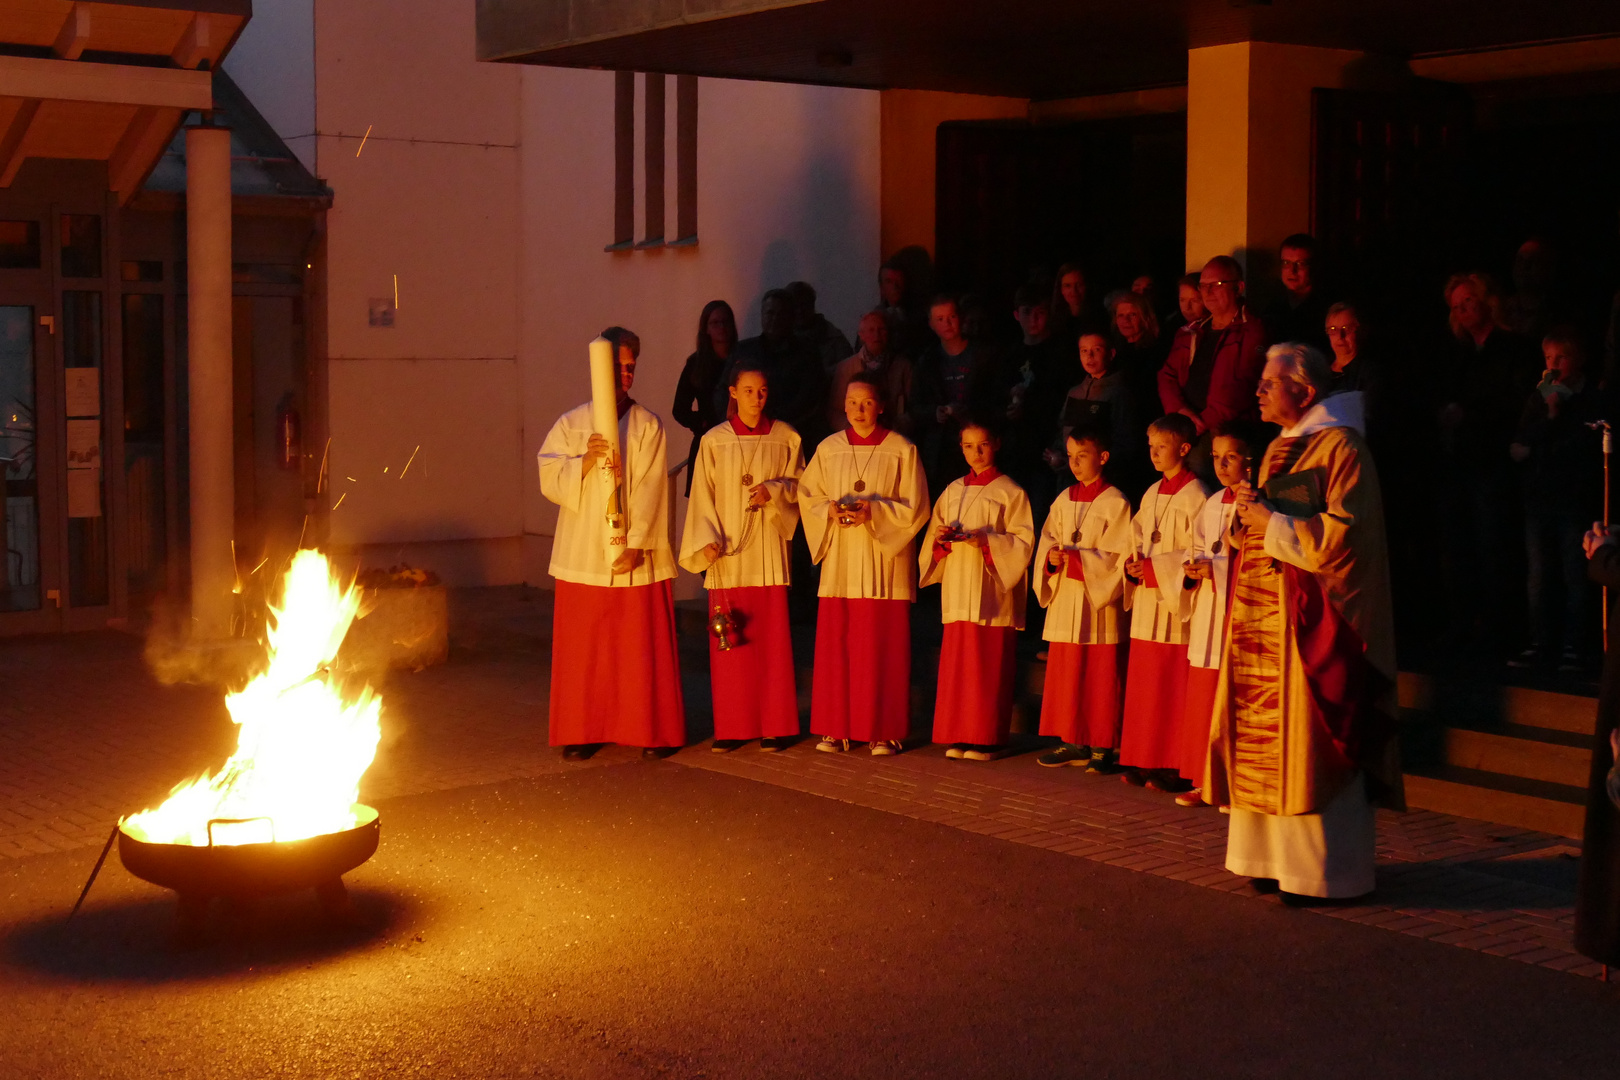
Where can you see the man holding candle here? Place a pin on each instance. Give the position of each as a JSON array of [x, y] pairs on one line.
[[615, 673]]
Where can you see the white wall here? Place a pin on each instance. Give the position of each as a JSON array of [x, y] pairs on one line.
[[488, 190], [431, 199], [273, 61], [787, 188]]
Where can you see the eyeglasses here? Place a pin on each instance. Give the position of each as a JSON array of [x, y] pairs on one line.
[[1342, 330], [1202, 285]]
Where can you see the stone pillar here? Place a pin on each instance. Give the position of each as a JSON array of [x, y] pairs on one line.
[[1249, 146], [213, 493]]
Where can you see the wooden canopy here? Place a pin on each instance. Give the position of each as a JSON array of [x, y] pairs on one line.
[[106, 81]]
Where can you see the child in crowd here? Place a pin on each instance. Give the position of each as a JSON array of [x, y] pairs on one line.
[[1561, 482], [982, 534], [1080, 580], [862, 499], [1236, 448], [1101, 400], [743, 512], [1162, 538]]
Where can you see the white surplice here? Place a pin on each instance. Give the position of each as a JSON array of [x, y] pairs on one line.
[[1161, 614], [755, 542], [579, 551], [1098, 531], [874, 561], [972, 589], [1212, 540]]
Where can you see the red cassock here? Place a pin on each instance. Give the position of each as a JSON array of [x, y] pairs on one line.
[[1197, 712], [1080, 703], [977, 665], [616, 646], [754, 692], [862, 684], [1155, 702]]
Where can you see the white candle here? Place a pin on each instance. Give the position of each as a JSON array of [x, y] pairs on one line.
[[605, 420]]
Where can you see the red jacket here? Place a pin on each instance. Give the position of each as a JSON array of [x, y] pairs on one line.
[[1240, 354]]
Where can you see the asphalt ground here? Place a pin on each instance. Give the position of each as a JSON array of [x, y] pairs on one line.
[[655, 920]]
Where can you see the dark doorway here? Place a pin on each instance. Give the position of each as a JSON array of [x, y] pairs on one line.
[[1015, 200]]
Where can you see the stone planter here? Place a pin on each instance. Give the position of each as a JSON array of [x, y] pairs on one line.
[[400, 628]]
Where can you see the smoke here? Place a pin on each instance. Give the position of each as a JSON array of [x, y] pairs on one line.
[[174, 657]]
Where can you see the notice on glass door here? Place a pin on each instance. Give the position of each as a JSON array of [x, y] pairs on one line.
[[84, 493], [83, 391], [83, 444]]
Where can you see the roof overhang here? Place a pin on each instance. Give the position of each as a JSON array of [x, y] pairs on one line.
[[107, 81], [1038, 49]]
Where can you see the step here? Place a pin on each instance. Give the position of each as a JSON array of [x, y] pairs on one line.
[[1546, 807], [1481, 704], [1545, 709], [1514, 754]]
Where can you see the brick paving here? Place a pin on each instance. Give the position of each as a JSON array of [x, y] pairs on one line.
[[87, 734]]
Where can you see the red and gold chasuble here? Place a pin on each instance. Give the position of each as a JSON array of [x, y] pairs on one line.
[[1305, 696]]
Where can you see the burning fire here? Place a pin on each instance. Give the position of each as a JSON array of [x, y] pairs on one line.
[[301, 748]]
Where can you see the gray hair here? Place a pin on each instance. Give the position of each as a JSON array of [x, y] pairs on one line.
[[1302, 364]]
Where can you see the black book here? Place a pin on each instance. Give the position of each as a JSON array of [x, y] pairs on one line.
[[1297, 494]]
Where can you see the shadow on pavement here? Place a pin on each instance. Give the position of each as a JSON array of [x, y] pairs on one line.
[[134, 941]]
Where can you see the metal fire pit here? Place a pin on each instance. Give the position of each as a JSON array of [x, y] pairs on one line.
[[249, 871]]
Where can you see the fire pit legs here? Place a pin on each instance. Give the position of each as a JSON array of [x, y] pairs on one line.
[[334, 898], [191, 920]]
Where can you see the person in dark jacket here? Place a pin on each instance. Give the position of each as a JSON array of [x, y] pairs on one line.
[[1483, 380], [793, 368], [1026, 391], [1561, 483], [947, 382], [1298, 314], [698, 389], [1597, 895], [1139, 351]]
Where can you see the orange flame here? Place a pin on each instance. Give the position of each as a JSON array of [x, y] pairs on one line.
[[301, 748]]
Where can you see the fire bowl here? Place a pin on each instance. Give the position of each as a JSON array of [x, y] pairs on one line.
[[246, 871]]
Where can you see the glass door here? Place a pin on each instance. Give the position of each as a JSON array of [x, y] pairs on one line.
[[30, 590]]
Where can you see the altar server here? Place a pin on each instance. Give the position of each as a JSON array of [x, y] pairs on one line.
[[743, 511], [982, 533], [1235, 449], [1080, 580], [1160, 604], [615, 674], [862, 499]]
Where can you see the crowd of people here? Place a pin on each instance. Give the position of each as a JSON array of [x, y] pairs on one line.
[[1491, 417], [1216, 598]]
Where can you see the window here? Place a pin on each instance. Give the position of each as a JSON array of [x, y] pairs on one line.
[[19, 245], [654, 161], [81, 245]]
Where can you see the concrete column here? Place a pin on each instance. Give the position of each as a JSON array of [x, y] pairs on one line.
[[1249, 146], [213, 493]]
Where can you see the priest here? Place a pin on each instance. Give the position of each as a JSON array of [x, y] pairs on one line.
[[743, 512], [1302, 746], [615, 675]]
